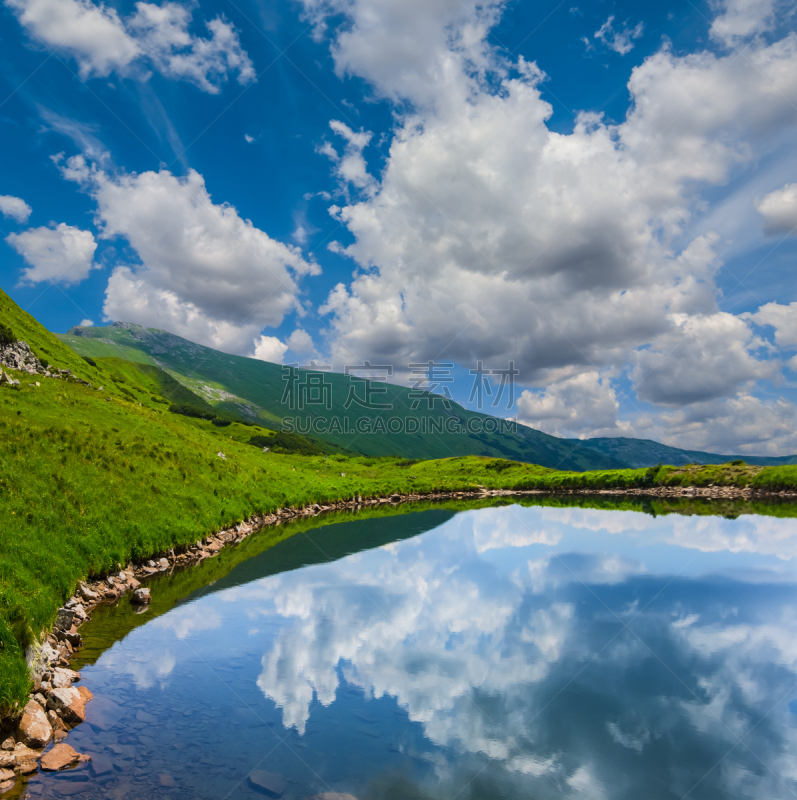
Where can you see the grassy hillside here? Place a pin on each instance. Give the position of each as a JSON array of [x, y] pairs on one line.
[[255, 388], [646, 453]]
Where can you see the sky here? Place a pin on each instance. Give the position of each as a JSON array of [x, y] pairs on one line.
[[603, 194]]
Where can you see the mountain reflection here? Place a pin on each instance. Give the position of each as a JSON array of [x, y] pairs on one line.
[[558, 652]]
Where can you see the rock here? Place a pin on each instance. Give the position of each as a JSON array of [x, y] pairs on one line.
[[60, 757], [6, 786], [70, 788], [8, 744], [101, 765], [332, 796], [88, 594], [59, 735], [165, 779], [148, 719], [163, 563], [68, 704], [73, 637], [34, 728], [7, 759], [64, 678], [141, 597], [6, 775], [65, 618], [269, 782]]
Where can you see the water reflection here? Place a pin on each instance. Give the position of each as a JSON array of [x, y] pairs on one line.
[[509, 652]]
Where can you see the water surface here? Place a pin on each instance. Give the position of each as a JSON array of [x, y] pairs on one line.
[[510, 652]]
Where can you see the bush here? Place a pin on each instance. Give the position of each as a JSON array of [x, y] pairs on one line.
[[187, 410], [221, 423], [90, 361], [288, 443], [6, 335]]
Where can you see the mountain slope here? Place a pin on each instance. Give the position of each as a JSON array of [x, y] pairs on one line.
[[246, 386], [647, 453]]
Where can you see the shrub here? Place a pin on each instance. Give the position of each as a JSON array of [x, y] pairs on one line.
[[90, 361], [6, 335], [221, 423], [187, 410], [288, 443]]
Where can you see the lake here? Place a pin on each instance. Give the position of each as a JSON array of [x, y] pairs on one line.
[[496, 652]]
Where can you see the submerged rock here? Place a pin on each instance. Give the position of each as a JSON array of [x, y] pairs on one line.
[[271, 783]]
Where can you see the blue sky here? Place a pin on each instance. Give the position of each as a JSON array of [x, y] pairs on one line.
[[604, 193]]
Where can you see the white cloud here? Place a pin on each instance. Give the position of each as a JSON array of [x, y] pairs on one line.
[[738, 20], [620, 41], [301, 343], [489, 236], [779, 210], [580, 404], [249, 139], [350, 167], [14, 208], [783, 318], [87, 323], [155, 36], [700, 358], [410, 50], [270, 348], [207, 274], [61, 254]]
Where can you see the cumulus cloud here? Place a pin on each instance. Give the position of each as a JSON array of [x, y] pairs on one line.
[[783, 318], [301, 343], [779, 210], [488, 236], [621, 41], [60, 254], [206, 274], [87, 323], [154, 37], [270, 348], [580, 404], [14, 208], [350, 167], [738, 20], [700, 358]]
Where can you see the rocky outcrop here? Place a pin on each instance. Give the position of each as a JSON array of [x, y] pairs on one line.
[[19, 356]]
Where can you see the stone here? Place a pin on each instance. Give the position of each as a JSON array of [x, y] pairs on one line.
[[8, 744], [143, 716], [101, 765], [65, 618], [165, 779], [34, 728], [6, 786], [271, 783], [141, 597], [7, 759], [64, 678], [73, 637], [68, 704], [164, 563], [332, 796], [60, 757], [6, 775], [71, 788], [88, 594], [59, 735]]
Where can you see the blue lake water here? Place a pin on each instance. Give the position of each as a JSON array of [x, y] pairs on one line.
[[512, 652]]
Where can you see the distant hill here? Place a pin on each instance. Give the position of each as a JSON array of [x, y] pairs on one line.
[[248, 387], [647, 453], [253, 389]]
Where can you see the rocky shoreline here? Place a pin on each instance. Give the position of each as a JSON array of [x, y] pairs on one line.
[[56, 705]]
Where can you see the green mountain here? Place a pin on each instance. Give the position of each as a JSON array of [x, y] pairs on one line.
[[647, 453], [256, 390]]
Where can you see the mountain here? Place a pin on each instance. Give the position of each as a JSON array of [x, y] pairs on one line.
[[647, 453], [255, 389]]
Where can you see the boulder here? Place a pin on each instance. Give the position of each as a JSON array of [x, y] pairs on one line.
[[141, 597], [64, 678], [8, 744], [6, 786], [6, 775], [60, 757], [69, 704], [88, 594], [269, 782], [7, 759], [34, 728], [66, 617]]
